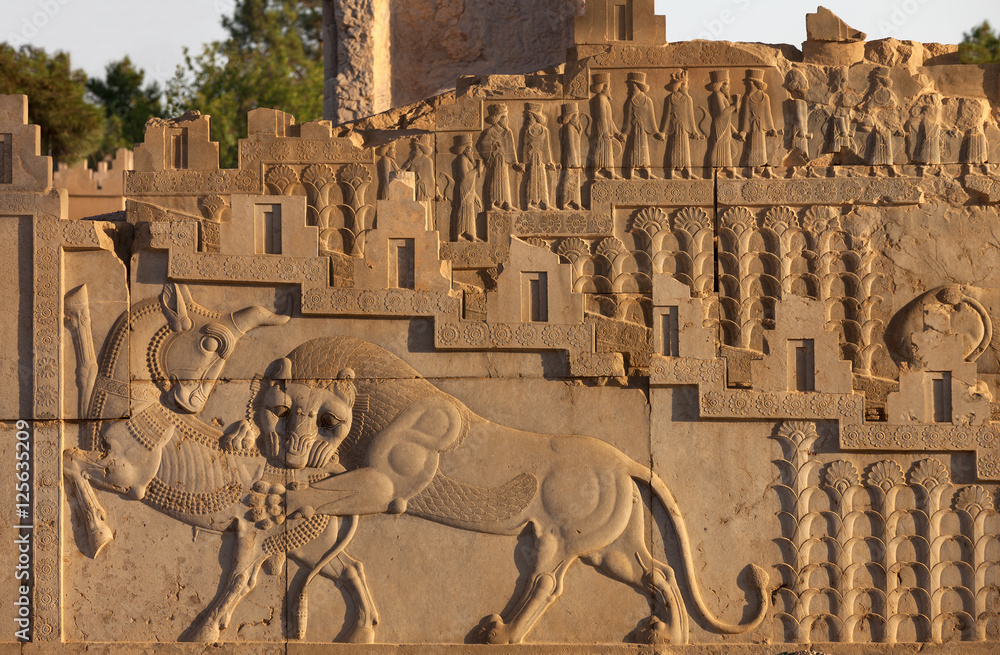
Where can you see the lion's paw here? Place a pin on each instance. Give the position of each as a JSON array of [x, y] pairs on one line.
[[492, 630], [657, 633]]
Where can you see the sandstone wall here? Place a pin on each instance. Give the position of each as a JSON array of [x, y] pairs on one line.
[[388, 53], [679, 348]]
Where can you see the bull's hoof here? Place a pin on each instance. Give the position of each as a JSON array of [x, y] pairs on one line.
[[493, 630], [98, 537], [205, 633], [364, 635]]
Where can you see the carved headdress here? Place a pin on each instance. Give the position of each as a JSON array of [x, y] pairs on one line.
[[677, 79], [639, 80], [495, 113], [535, 109], [462, 142], [756, 77], [717, 79], [569, 111], [598, 81]]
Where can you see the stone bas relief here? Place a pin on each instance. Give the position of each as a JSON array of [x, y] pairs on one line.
[[713, 319]]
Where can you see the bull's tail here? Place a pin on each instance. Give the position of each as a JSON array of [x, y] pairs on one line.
[[758, 577]]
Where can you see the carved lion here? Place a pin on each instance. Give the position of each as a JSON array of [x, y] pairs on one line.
[[411, 448]]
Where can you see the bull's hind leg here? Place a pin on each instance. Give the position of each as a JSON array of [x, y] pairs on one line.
[[544, 586], [350, 574], [317, 557], [628, 560]]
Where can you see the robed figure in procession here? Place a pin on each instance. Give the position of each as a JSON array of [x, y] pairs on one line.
[[466, 201], [496, 147], [756, 123], [639, 124], [881, 123], [677, 127], [536, 152], [721, 108], [604, 137], [572, 127]]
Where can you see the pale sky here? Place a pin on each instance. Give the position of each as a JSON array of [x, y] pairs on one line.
[[154, 33]]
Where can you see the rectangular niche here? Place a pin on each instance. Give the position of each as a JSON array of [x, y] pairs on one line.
[[534, 297]]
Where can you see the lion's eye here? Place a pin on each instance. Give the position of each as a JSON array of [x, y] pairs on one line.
[[328, 421], [280, 410], [210, 344]]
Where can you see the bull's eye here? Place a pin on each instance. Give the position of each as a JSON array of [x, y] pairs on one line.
[[329, 421], [210, 344], [280, 410]]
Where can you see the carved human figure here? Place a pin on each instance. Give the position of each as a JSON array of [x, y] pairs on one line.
[[880, 122], [385, 165], [798, 115], [677, 126], [604, 137], [496, 147], [536, 153], [466, 203], [721, 107], [639, 123], [421, 164], [756, 123], [925, 127], [841, 124], [975, 148], [572, 126], [427, 455]]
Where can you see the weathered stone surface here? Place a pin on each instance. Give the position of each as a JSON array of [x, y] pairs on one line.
[[675, 348], [382, 55], [824, 25]]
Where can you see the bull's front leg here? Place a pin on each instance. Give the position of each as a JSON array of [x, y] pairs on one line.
[[248, 557], [125, 468]]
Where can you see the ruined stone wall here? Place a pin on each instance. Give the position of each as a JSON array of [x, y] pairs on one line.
[[390, 53], [680, 348]]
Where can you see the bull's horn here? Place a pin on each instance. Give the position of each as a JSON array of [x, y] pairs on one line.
[[256, 316]]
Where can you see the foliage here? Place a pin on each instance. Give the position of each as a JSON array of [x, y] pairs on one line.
[[127, 105], [71, 126], [271, 58], [981, 46]]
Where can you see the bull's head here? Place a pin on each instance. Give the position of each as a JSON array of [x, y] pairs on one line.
[[303, 422], [196, 344]]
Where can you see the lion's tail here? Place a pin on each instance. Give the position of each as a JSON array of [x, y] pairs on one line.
[[758, 577]]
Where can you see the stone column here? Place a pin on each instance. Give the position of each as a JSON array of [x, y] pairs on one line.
[[357, 59]]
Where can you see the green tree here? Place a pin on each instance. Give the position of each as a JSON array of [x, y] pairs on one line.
[[273, 57], [127, 105], [71, 126], [981, 46]]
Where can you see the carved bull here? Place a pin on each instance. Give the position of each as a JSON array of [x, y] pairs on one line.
[[166, 457]]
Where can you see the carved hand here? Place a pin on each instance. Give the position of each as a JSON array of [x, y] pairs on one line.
[[660, 136], [519, 168]]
